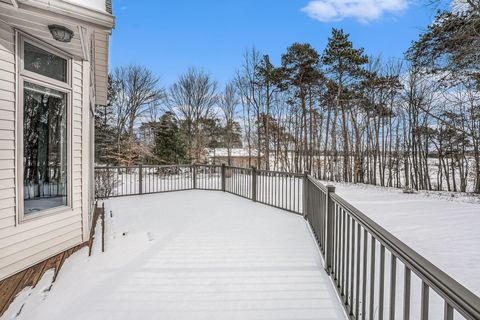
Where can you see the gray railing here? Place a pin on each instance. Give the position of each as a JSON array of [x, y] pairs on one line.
[[279, 189], [376, 275], [365, 262]]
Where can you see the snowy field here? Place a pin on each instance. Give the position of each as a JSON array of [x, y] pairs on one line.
[[190, 255], [441, 226]]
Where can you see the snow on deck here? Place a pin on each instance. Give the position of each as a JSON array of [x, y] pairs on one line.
[[442, 226], [191, 255]]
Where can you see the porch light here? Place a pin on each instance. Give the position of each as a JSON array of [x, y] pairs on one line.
[[61, 33]]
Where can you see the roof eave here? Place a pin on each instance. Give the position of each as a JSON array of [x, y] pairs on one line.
[[100, 19]]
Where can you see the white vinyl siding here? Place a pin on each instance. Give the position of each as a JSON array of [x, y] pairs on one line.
[[7, 127], [27, 243], [101, 68]]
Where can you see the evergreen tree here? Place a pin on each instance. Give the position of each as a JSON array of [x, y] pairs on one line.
[[449, 47], [301, 73], [170, 146], [104, 131], [344, 66]]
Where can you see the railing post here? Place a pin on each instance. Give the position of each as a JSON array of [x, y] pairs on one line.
[[254, 184], [223, 177], [329, 210], [305, 195], [194, 169], [140, 180]]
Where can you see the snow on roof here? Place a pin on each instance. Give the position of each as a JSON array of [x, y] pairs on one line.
[[236, 152]]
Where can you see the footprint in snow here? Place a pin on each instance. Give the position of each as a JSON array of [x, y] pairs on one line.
[[150, 236]]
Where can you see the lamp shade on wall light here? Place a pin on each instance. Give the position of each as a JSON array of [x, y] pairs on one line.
[[61, 33]]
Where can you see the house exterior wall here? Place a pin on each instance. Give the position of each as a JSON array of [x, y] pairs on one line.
[[24, 243], [101, 45]]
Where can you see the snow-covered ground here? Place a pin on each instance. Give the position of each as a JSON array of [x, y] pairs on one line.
[[443, 227], [190, 255]]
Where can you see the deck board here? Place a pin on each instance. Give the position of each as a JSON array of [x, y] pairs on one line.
[[195, 255]]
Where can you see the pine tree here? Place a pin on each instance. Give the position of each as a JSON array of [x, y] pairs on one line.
[[301, 73], [170, 146], [344, 66], [105, 135]]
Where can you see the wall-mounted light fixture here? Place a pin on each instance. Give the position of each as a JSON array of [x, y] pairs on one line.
[[61, 33]]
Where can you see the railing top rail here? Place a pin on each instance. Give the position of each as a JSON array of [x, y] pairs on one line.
[[238, 168], [292, 174], [207, 165], [462, 299], [166, 166], [318, 184], [144, 166]]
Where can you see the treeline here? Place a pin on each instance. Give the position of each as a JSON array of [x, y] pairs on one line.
[[340, 114], [144, 123]]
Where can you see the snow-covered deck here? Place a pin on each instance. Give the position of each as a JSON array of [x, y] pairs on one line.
[[191, 255]]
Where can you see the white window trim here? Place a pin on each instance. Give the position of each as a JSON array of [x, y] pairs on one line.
[[65, 87]]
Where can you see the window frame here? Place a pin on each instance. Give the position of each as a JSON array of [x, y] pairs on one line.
[[50, 83]]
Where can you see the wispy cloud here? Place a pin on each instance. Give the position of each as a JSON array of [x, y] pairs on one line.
[[361, 10]]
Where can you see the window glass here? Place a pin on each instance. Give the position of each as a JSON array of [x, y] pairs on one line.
[[44, 148], [44, 63]]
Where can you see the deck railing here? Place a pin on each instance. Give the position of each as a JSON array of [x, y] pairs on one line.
[[376, 275]]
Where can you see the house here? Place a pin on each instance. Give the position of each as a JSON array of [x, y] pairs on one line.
[[53, 72], [238, 157]]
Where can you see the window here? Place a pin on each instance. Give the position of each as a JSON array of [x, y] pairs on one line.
[[44, 151], [44, 63]]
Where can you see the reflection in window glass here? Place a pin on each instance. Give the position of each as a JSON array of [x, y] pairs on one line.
[[45, 148], [44, 63]]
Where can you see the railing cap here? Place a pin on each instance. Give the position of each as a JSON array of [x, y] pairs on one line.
[[330, 188]]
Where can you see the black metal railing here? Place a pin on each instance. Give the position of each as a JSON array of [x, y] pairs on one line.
[[364, 260]]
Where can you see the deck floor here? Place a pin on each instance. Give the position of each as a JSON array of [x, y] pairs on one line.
[[193, 255]]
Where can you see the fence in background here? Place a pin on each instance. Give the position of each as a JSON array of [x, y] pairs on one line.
[[376, 275]]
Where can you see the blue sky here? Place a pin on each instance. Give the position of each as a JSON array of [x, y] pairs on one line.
[[168, 36]]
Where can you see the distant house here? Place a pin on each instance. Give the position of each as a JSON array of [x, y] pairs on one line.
[[53, 73], [238, 157]]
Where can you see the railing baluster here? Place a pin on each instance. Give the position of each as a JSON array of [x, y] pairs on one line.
[[352, 268], [393, 284], [381, 290], [406, 294], [447, 312], [364, 274], [347, 258], [337, 264], [342, 248], [424, 301], [372, 277], [357, 284]]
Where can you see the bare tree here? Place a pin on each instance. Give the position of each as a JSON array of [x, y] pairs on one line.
[[193, 98], [228, 104], [136, 90], [251, 98]]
